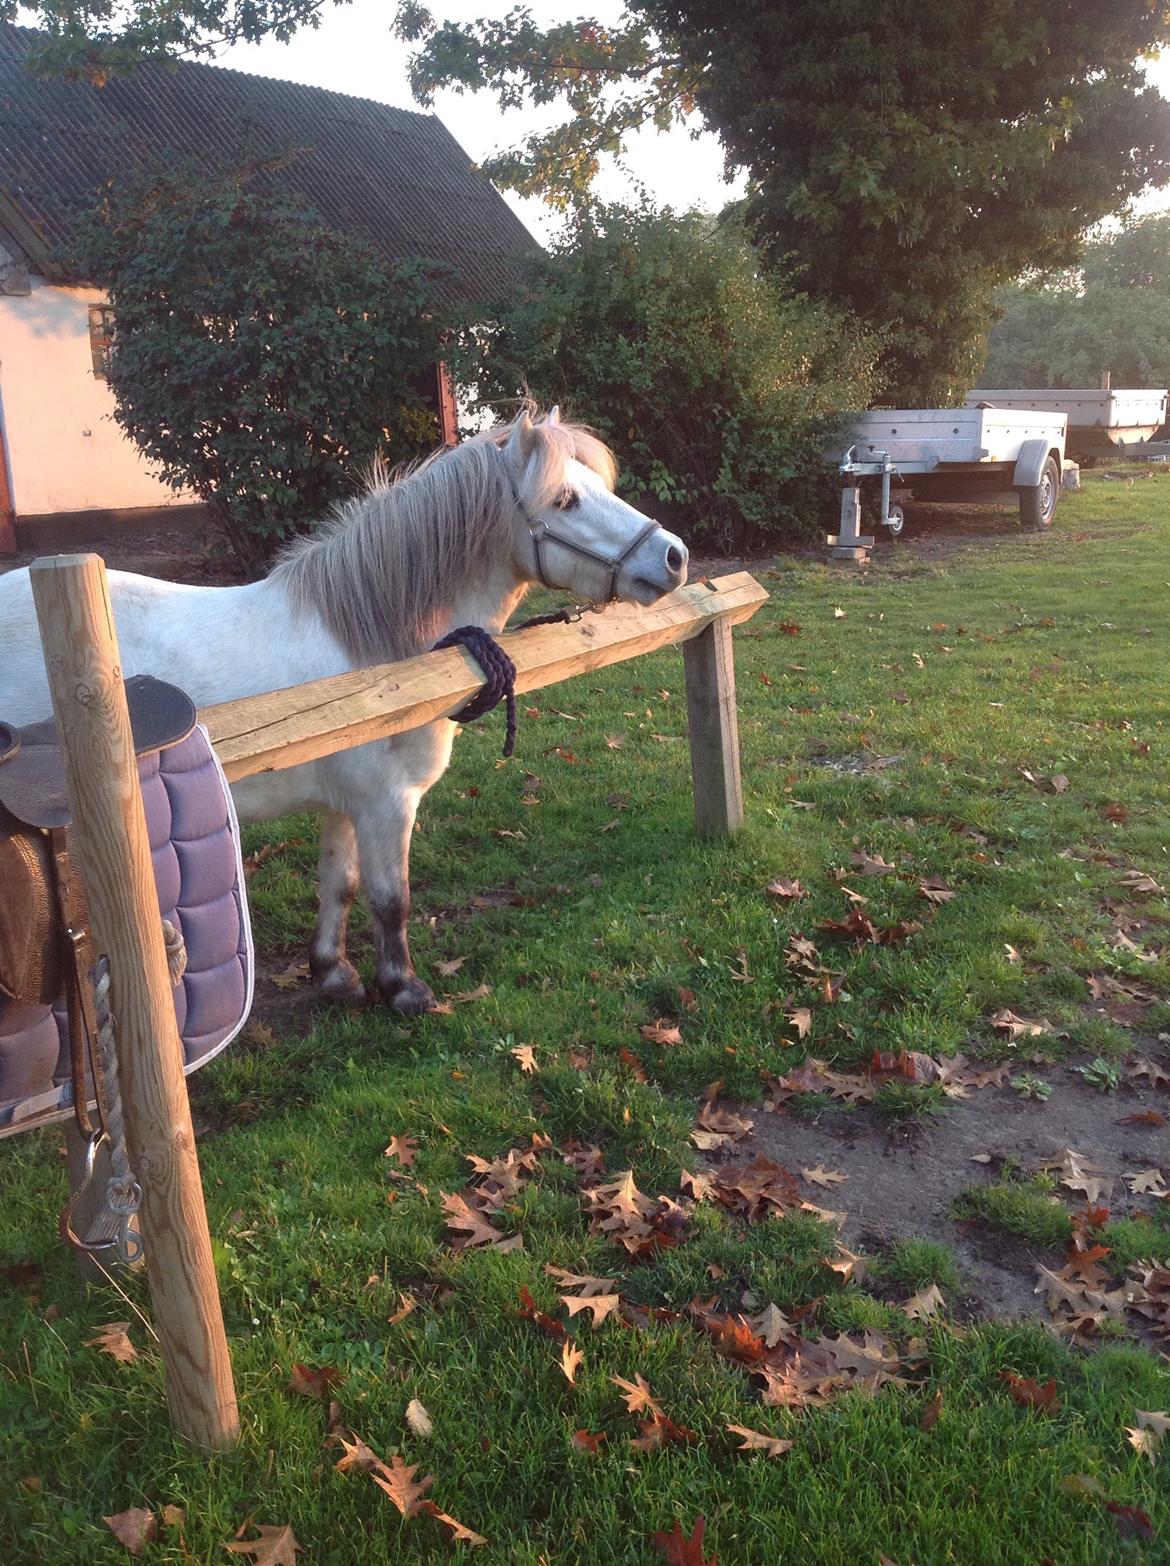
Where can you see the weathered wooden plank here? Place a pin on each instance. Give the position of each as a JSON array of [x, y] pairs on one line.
[[281, 729], [713, 726], [110, 841]]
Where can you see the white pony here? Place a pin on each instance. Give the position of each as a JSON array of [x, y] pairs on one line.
[[458, 540]]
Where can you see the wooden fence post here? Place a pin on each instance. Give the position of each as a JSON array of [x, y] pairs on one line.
[[110, 843], [709, 664]]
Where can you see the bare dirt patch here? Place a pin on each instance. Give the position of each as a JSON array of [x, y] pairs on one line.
[[904, 1176]]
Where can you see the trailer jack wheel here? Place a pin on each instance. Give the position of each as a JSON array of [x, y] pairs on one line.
[[896, 522]]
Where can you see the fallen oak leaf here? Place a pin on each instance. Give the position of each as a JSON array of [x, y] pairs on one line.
[[472, 1228], [660, 1431], [827, 1178], [1131, 1521], [113, 1339], [480, 992], [530, 1311], [306, 1382], [399, 1483], [571, 1357], [680, 1550], [1030, 1393], [356, 1454], [760, 1441], [419, 1420], [448, 967], [661, 1032], [1144, 1117], [601, 1305], [582, 1282], [274, 1547], [586, 1441], [134, 1528], [526, 1055], [637, 1395], [1145, 1182], [924, 1304], [403, 1148], [785, 890], [460, 1533], [1145, 1437]]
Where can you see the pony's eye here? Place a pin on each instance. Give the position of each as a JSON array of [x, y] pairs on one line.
[[568, 499]]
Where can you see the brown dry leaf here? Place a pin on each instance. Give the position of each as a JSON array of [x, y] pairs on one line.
[[848, 1264], [661, 1032], [931, 1412], [459, 1533], [473, 1227], [785, 890], [661, 1431], [827, 1178], [274, 1547], [1079, 1175], [772, 1326], [760, 1441], [586, 1441], [306, 1382], [571, 1357], [679, 1549], [1143, 1117], [718, 1128], [1030, 1393], [480, 992], [526, 1055], [801, 1020], [701, 1186], [637, 1396], [585, 1285], [173, 1516], [112, 1339], [601, 1305], [356, 1455], [1138, 881], [1158, 1075], [630, 1219], [924, 1304], [1145, 1437], [448, 967], [935, 890], [134, 1529], [419, 1420], [290, 977], [1019, 1027], [408, 1303], [1145, 1182], [400, 1485], [872, 864], [687, 998], [403, 1148]]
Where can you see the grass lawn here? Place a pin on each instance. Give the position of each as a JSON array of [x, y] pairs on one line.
[[888, 716]]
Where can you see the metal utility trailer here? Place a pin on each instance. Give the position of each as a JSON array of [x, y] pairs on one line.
[[1101, 422], [946, 454]]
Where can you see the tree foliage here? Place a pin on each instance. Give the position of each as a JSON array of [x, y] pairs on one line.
[[1112, 313], [907, 159], [717, 387], [259, 358], [96, 39]]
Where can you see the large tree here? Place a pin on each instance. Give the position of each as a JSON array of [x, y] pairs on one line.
[[906, 158]]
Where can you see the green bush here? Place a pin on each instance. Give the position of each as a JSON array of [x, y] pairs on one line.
[[718, 388], [258, 358]]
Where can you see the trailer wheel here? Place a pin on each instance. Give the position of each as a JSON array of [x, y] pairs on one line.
[[1038, 503], [896, 525]]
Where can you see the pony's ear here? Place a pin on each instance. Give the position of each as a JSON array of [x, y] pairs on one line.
[[520, 441], [553, 416]]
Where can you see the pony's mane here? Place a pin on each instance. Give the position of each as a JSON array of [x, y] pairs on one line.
[[383, 568]]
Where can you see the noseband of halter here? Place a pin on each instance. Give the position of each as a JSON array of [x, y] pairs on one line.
[[541, 534]]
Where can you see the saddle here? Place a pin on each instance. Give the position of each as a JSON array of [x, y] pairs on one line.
[[43, 919]]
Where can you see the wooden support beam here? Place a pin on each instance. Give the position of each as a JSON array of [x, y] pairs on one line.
[[712, 721], [111, 847], [283, 728]]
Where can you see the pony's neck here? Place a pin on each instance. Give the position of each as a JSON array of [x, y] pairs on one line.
[[487, 599]]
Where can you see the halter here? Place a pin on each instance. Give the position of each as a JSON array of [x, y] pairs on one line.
[[540, 534]]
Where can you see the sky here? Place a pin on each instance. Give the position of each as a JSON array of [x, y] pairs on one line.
[[353, 52]]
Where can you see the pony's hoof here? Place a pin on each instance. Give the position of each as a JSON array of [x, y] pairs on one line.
[[340, 982], [409, 996]]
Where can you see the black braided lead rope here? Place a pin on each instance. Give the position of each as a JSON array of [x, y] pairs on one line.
[[499, 677]]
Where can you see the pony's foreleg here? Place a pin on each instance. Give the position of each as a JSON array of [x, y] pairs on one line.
[[333, 975], [384, 829]]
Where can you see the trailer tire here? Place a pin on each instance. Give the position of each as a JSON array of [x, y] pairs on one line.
[[1038, 502], [896, 526]]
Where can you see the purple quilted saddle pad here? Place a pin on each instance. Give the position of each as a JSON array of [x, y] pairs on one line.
[[195, 848]]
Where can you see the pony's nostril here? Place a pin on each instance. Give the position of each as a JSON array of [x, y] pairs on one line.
[[675, 558]]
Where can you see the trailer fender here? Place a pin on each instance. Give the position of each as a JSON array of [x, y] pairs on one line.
[[1030, 462]]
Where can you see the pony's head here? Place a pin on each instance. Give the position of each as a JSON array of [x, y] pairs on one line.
[[570, 531]]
